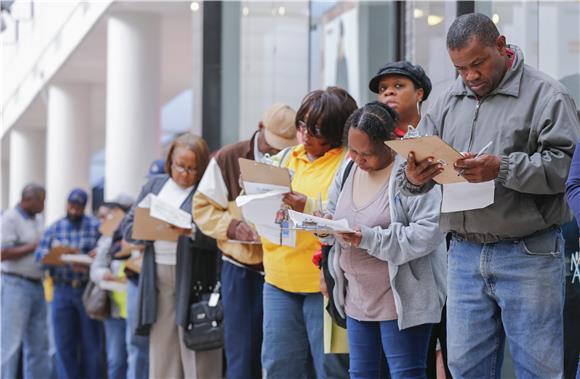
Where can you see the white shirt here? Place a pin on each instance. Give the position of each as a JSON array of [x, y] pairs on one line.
[[166, 251]]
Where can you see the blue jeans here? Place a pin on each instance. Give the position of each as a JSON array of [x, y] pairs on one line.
[[24, 326], [75, 332], [513, 289], [137, 346], [116, 348], [405, 350], [242, 301], [293, 344]]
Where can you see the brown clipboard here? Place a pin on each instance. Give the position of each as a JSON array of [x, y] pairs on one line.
[[52, 258], [134, 264], [257, 172], [431, 146], [150, 228], [111, 222]]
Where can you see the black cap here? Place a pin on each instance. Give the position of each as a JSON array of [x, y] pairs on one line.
[[405, 68]]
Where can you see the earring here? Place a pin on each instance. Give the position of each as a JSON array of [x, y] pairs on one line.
[[419, 108]]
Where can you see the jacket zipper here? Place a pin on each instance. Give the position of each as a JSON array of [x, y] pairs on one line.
[[470, 146]]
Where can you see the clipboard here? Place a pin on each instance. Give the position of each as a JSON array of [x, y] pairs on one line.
[[134, 264], [257, 172], [53, 257], [149, 228], [431, 146], [112, 222]]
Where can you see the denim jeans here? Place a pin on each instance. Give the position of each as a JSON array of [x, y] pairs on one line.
[[242, 300], [293, 345], [405, 350], [512, 289], [74, 331], [137, 346], [116, 348], [24, 326]]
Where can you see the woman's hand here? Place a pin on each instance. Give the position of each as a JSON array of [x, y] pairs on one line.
[[295, 201], [182, 231], [351, 239]]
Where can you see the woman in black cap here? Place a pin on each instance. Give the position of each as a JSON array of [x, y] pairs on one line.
[[403, 86]]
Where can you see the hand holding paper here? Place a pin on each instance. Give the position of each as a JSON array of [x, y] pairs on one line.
[[315, 224]]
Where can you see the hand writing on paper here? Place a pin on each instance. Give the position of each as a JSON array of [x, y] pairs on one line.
[[295, 200], [420, 173], [351, 239], [244, 232], [482, 168]]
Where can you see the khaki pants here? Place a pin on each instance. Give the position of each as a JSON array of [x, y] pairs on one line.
[[169, 358]]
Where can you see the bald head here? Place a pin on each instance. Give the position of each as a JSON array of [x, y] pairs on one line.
[[32, 198]]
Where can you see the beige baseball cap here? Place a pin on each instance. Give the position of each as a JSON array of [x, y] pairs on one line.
[[279, 126]]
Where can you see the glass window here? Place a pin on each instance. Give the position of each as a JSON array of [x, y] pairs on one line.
[[349, 42]]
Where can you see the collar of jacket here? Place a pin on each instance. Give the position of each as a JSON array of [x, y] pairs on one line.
[[509, 85]]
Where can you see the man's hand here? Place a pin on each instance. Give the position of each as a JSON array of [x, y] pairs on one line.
[[295, 200], [481, 169], [351, 239], [244, 232], [323, 288], [182, 231], [420, 173]]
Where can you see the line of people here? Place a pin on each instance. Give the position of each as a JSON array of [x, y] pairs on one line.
[[500, 275]]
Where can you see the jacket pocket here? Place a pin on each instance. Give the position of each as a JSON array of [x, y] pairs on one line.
[[544, 244]]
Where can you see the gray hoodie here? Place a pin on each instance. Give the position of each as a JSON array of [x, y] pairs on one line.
[[414, 248], [534, 126]]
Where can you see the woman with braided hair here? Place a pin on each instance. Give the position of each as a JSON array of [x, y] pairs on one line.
[[394, 264]]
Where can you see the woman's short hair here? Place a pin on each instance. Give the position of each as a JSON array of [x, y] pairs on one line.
[[193, 143], [376, 120], [328, 109]]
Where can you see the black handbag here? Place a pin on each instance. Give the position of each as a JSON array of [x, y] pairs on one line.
[[205, 329], [331, 306]]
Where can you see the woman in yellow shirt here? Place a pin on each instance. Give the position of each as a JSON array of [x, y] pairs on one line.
[[293, 305]]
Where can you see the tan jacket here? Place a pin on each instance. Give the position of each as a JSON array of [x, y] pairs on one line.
[[214, 209]]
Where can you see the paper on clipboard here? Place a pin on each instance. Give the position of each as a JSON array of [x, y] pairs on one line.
[[264, 177], [111, 222], [81, 259], [148, 228], [166, 212], [431, 146], [310, 223], [53, 257], [459, 197]]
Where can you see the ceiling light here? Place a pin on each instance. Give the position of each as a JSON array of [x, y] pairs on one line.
[[495, 18], [418, 13], [281, 11], [246, 11], [194, 6], [433, 20]]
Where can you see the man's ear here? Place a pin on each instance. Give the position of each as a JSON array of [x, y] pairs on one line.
[[420, 93], [501, 45]]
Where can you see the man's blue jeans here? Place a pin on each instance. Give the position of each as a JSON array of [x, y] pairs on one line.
[[24, 326], [293, 344], [75, 332], [137, 346], [242, 300], [509, 288], [405, 350], [115, 329]]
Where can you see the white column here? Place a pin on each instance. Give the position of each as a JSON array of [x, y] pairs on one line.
[[133, 101], [27, 153], [67, 145]]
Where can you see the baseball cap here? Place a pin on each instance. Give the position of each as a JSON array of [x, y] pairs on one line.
[[405, 68], [78, 196], [122, 201], [279, 127]]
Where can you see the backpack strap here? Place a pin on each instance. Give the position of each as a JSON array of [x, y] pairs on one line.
[[346, 173]]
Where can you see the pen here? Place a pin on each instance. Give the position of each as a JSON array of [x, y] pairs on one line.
[[483, 149]]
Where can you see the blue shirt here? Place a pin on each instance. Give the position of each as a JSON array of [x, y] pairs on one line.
[[82, 235]]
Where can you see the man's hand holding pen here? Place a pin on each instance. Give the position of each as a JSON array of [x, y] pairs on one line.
[[477, 169]]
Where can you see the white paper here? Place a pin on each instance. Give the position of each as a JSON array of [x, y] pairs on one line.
[[77, 258], [112, 285], [166, 212], [467, 196], [312, 223], [146, 202], [252, 188], [260, 210]]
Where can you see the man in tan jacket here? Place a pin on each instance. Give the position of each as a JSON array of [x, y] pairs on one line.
[[216, 214]]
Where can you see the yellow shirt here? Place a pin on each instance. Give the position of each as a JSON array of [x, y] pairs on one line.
[[291, 269]]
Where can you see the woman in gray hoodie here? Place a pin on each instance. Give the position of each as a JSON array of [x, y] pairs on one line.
[[389, 274]]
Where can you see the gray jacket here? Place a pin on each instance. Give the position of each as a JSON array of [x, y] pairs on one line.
[[533, 124], [413, 246]]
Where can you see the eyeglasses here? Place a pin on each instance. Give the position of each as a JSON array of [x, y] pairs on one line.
[[313, 132], [183, 170]]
